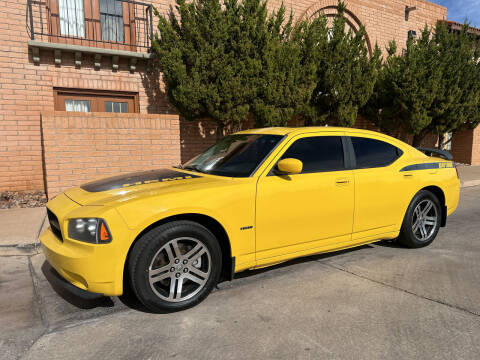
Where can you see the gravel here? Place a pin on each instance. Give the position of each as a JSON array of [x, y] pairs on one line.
[[22, 199]]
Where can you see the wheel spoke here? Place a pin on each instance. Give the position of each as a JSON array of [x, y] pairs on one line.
[[199, 273], [154, 279], [179, 288], [430, 222], [423, 231], [427, 208], [175, 247], [153, 272], [417, 212], [194, 251], [170, 255], [416, 226], [195, 279], [173, 284]]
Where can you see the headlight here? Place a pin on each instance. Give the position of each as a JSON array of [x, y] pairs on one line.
[[91, 230]]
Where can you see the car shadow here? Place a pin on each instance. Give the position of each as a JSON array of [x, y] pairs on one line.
[[130, 300], [390, 243], [301, 260]]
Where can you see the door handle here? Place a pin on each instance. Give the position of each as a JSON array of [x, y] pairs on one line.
[[342, 181], [408, 175]]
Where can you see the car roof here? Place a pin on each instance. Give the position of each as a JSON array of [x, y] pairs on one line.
[[305, 130], [291, 131]]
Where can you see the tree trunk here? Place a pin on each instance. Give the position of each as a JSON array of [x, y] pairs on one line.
[[220, 130], [417, 140]]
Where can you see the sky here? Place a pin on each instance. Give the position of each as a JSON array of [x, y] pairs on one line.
[[457, 10]]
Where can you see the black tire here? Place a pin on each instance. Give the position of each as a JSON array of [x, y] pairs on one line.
[[418, 238], [152, 249]]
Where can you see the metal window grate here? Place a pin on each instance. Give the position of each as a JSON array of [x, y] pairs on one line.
[[116, 24]]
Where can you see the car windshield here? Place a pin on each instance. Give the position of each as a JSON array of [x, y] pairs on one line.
[[234, 155]]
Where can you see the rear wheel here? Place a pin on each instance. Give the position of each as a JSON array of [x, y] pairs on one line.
[[422, 220], [175, 266]]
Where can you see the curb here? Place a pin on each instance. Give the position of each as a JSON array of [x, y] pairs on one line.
[[470, 183], [20, 249]]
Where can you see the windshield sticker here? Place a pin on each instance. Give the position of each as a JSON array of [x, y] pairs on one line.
[[134, 179]]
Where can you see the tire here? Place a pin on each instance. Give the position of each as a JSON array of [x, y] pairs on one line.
[[178, 252], [420, 225]]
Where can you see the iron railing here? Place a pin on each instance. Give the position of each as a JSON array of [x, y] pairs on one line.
[[112, 24]]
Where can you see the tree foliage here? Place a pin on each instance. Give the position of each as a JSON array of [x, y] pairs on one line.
[[227, 60], [433, 86], [345, 77]]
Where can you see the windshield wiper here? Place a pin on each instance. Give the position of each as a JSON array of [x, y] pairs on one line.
[[194, 168]]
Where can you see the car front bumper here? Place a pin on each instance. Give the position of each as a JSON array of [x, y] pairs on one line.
[[86, 266], [96, 268]]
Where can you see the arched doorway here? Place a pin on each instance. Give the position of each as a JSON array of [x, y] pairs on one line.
[[329, 9]]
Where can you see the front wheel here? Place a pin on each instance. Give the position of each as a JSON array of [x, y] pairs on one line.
[[175, 266], [422, 220]]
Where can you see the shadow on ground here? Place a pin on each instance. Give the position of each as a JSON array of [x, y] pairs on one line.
[[129, 300]]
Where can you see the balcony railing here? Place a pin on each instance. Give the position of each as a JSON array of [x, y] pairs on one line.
[[123, 25]]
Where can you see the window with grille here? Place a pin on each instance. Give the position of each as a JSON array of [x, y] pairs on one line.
[[111, 20], [71, 17]]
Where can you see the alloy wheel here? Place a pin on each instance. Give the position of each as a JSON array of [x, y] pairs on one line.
[[180, 269], [425, 220]]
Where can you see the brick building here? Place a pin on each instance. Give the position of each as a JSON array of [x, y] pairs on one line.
[[79, 98]]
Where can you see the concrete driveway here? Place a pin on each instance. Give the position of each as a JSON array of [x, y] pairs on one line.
[[375, 302]]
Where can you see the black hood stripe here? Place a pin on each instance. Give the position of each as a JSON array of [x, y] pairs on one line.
[[137, 178]]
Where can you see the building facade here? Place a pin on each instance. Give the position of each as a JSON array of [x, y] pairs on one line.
[[80, 97]]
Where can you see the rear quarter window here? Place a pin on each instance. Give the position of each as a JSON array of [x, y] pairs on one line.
[[372, 153]]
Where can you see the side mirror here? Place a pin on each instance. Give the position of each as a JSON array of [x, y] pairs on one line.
[[289, 166]]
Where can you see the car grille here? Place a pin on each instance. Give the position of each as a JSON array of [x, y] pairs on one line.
[[54, 224]]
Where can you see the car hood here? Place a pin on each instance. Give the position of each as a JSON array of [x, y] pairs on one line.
[[126, 187]]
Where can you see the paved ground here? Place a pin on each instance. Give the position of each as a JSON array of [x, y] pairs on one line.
[[374, 302], [470, 175], [20, 228]]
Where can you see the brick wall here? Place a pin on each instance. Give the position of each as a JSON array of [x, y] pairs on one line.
[[462, 146], [196, 136], [79, 147], [26, 90], [476, 147]]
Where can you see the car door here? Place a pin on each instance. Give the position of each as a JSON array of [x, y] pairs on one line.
[[380, 193], [310, 210]]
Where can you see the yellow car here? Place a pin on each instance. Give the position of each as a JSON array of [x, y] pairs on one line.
[[254, 199]]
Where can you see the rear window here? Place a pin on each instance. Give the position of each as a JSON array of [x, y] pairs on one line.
[[371, 153]]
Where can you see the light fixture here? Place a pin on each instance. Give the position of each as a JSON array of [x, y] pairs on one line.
[[408, 9]]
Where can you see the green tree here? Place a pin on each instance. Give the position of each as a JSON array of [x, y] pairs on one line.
[[345, 75], [227, 60], [433, 87], [457, 104], [288, 74]]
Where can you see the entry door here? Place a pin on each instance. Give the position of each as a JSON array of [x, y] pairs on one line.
[[313, 209], [382, 192]]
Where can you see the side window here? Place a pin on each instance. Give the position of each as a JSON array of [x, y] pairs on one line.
[[371, 153], [318, 154]]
